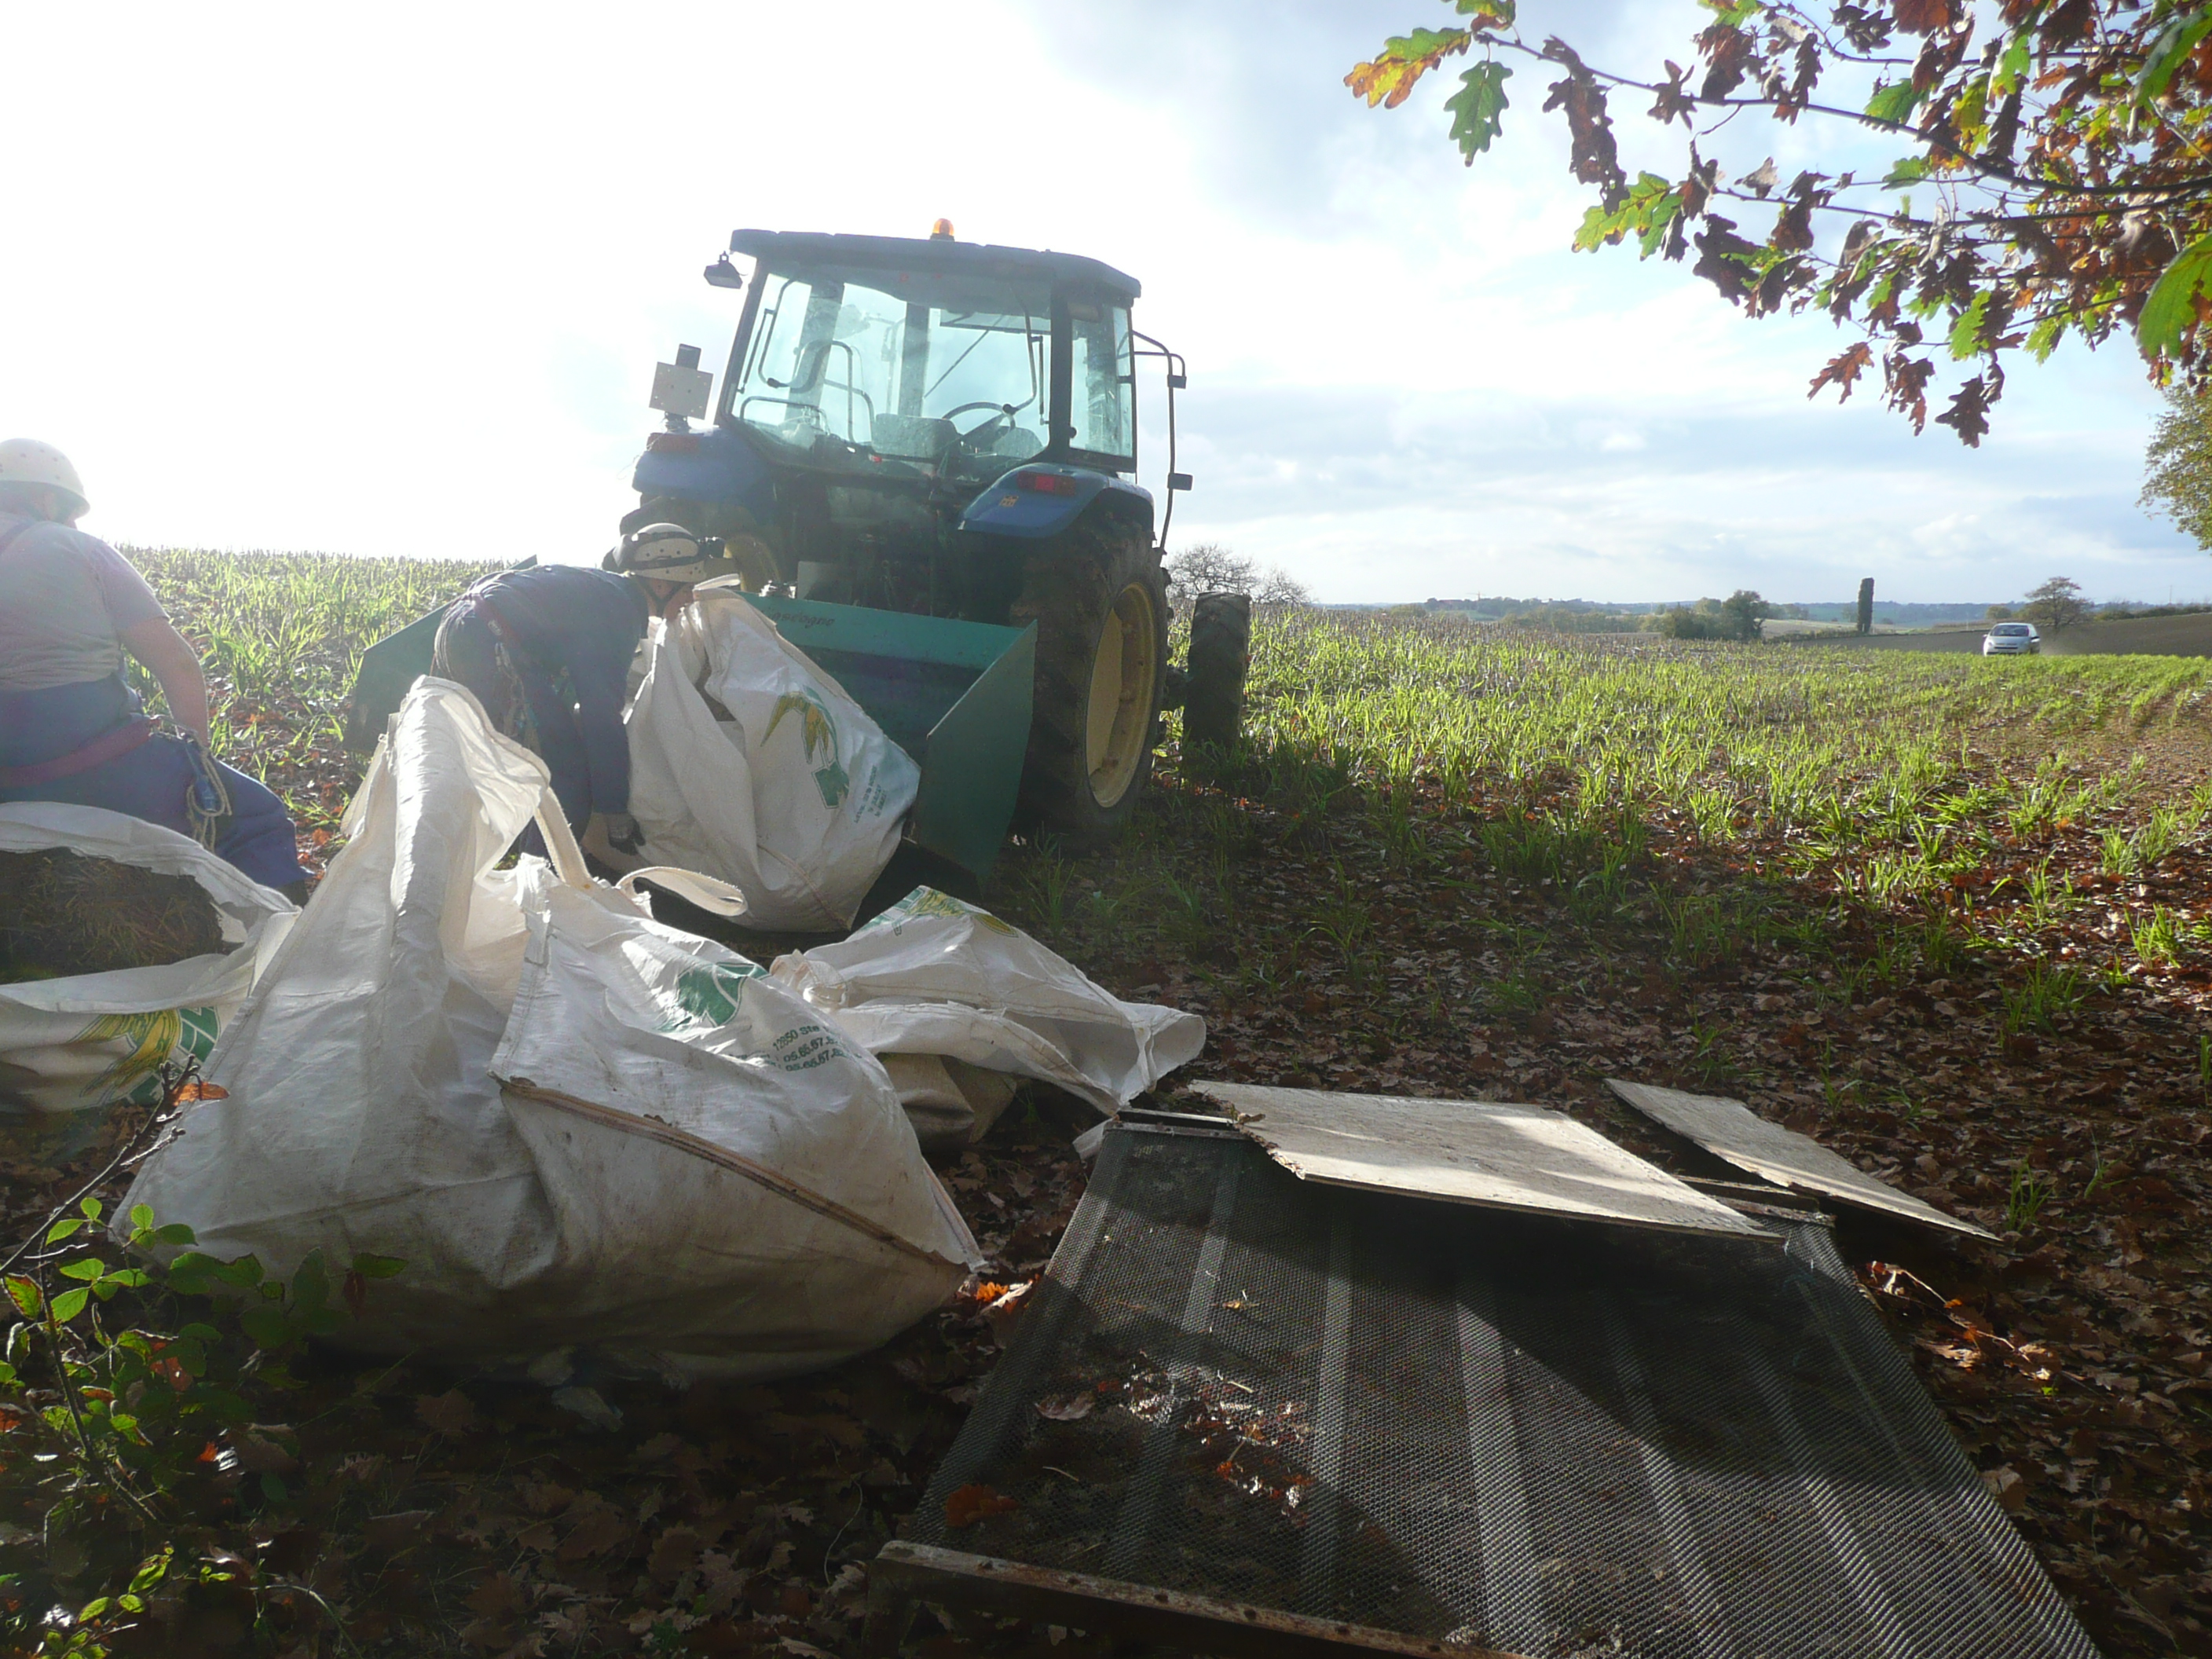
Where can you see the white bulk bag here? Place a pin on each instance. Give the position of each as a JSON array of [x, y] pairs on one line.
[[92, 1039], [935, 976], [749, 762], [689, 1162]]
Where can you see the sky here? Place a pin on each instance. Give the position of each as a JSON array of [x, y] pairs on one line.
[[393, 281]]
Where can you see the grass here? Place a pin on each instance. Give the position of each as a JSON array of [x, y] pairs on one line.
[[1852, 756], [1930, 813], [280, 635]]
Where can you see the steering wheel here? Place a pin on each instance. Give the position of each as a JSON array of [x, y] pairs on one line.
[[1000, 414]]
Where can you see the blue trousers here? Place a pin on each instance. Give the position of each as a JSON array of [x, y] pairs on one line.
[[150, 782]]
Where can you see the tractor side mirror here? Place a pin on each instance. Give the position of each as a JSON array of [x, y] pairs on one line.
[[1178, 481], [1178, 382]]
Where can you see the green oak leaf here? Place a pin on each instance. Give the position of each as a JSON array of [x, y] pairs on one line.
[[2172, 307], [1478, 108]]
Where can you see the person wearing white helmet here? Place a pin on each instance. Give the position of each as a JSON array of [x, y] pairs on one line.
[[71, 729], [547, 651]]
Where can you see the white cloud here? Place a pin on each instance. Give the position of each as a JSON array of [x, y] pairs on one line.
[[394, 281]]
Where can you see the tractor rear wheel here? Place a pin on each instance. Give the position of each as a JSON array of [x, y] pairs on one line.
[[1099, 600], [1213, 687]]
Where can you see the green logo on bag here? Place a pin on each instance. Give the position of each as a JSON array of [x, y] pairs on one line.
[[151, 1038], [818, 732], [706, 998], [708, 995], [925, 901]]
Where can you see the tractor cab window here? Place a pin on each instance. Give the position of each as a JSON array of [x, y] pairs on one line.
[[904, 365], [1103, 406]]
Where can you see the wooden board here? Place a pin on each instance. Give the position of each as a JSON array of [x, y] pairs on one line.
[[1470, 1151], [1731, 1130]]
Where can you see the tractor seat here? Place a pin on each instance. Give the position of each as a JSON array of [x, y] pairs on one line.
[[914, 437]]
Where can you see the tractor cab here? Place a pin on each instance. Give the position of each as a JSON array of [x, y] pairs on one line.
[[921, 459], [943, 375], [941, 428]]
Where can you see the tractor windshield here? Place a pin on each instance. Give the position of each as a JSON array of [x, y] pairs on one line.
[[913, 366]]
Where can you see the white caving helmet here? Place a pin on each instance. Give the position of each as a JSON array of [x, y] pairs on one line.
[[27, 461], [669, 553]]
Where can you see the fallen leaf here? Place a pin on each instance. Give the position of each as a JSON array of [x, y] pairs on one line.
[[971, 1503], [673, 1553], [452, 1413], [720, 1582], [586, 1404], [1002, 1313], [497, 1597], [599, 1531], [546, 1498], [2007, 1487], [259, 1455], [401, 1530]]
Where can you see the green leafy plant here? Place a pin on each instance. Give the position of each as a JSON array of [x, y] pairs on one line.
[[2157, 941], [2099, 1171], [2030, 1192], [1711, 1061], [2044, 995], [136, 1389]]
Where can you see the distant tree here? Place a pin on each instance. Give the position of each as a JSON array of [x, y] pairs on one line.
[[1209, 568], [2057, 603], [1999, 613], [1745, 610], [2177, 477], [1679, 622], [1737, 618]]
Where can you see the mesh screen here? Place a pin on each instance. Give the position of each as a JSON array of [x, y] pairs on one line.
[[1555, 1439]]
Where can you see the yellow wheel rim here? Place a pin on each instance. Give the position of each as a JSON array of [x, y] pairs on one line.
[[1122, 674]]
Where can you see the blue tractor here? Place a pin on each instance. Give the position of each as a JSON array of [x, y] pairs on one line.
[[943, 429]]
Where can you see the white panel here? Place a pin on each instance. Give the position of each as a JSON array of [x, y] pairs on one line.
[[683, 391], [1469, 1152], [1731, 1130]]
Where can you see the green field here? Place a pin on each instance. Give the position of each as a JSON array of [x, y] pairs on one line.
[[1948, 915]]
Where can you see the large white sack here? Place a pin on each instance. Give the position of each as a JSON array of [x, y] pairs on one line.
[[735, 1176], [779, 784], [654, 1188], [92, 1039], [932, 975]]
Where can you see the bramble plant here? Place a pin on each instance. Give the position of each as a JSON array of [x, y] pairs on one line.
[[130, 1394], [2057, 148]]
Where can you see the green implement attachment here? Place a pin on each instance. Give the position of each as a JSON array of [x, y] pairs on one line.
[[953, 694], [388, 672]]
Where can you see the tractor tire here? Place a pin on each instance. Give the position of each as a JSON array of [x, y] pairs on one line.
[[1220, 655], [1099, 600]]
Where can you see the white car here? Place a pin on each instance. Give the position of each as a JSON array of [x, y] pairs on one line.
[[2011, 640]]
